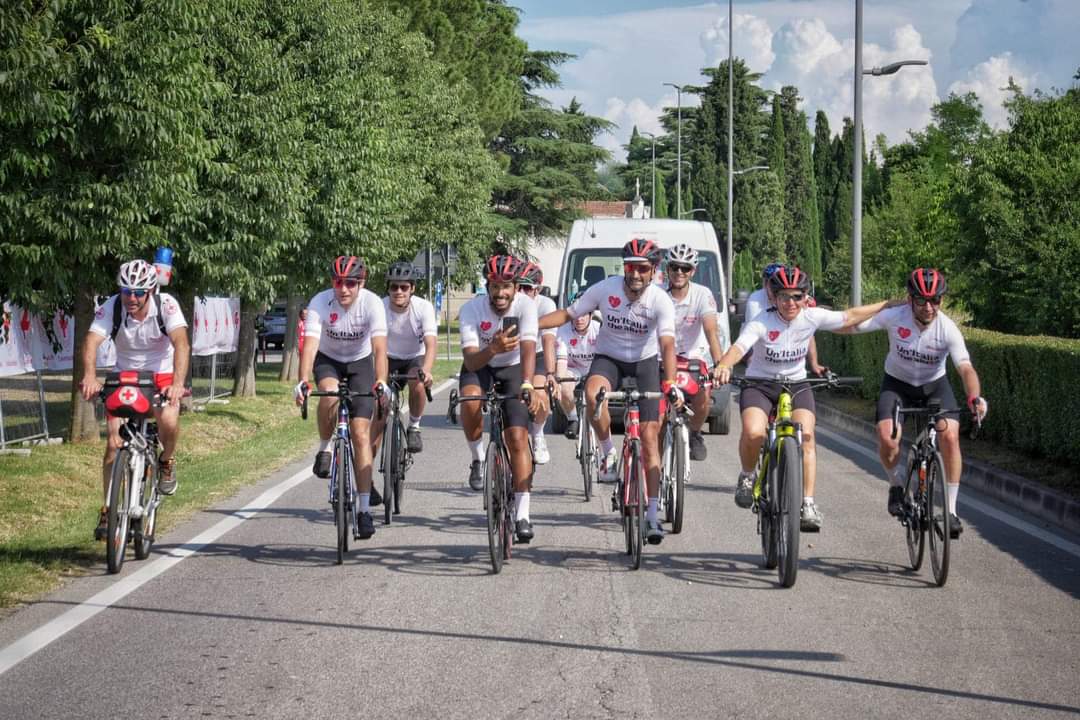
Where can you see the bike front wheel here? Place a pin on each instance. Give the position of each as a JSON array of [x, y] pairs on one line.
[[915, 532], [494, 501], [937, 516], [790, 484], [144, 533], [389, 467], [636, 502], [587, 457], [119, 502], [677, 489], [767, 511], [342, 498]]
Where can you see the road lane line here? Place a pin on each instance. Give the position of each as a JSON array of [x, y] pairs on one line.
[[967, 501], [30, 643]]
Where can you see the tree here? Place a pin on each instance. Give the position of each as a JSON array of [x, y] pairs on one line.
[[801, 227], [825, 176]]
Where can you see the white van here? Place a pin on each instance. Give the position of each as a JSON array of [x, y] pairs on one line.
[[594, 253]]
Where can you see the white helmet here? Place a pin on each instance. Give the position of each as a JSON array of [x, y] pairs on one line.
[[683, 253], [137, 275]]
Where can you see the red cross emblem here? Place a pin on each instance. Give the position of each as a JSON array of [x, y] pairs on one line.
[[128, 396]]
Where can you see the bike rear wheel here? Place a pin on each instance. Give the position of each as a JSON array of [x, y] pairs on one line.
[[144, 532], [790, 483], [915, 532], [937, 514], [677, 490], [586, 454], [389, 467], [494, 501], [399, 475], [342, 498], [119, 502]]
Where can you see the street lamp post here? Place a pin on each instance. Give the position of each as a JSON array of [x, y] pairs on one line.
[[856, 164], [678, 152], [652, 203], [730, 140]]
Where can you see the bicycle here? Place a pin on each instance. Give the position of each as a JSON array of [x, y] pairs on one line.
[[498, 480], [342, 487], [395, 458], [133, 485], [630, 497], [675, 447], [585, 445], [926, 509], [778, 480]]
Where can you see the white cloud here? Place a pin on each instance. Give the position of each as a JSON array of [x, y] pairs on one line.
[[990, 80], [630, 114], [752, 42]]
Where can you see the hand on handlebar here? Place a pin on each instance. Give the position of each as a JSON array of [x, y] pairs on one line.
[[174, 392], [722, 374], [820, 370], [979, 407], [90, 388], [300, 392], [674, 394]]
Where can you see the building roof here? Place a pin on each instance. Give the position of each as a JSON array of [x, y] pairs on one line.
[[605, 208]]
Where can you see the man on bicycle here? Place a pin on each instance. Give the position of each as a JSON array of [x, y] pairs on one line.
[[498, 345], [921, 337], [780, 338], [150, 334], [638, 324], [696, 332], [529, 282], [411, 338], [575, 347], [345, 333]]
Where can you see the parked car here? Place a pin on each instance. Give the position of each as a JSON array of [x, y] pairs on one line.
[[272, 327]]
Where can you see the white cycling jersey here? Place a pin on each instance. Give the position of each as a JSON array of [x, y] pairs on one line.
[[690, 340], [577, 349], [479, 323], [917, 356], [345, 334], [757, 303], [139, 343], [629, 330], [406, 330], [780, 347]]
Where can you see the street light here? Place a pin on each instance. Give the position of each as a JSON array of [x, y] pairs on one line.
[[678, 180], [697, 210], [856, 171], [730, 137], [652, 203]]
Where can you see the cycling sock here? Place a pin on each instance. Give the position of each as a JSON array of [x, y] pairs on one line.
[[476, 447], [324, 445], [414, 422], [650, 514], [954, 491], [365, 502], [607, 445], [572, 415], [521, 505], [808, 500], [537, 429]]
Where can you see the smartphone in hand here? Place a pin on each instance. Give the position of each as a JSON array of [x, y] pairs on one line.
[[510, 325]]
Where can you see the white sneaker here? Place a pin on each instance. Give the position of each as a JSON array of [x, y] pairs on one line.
[[541, 456], [609, 467]]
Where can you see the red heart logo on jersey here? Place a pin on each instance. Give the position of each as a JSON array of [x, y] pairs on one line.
[[614, 301], [773, 334], [333, 318], [573, 341], [903, 332], [485, 326]]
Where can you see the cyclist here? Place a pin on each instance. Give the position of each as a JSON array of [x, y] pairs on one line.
[[411, 338], [638, 324], [921, 337], [345, 329], [498, 344], [696, 331], [780, 338], [529, 282], [575, 347], [150, 334], [761, 300]]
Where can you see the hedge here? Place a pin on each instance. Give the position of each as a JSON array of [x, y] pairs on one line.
[[1029, 382]]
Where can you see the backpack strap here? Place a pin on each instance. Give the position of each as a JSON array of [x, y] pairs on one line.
[[117, 318]]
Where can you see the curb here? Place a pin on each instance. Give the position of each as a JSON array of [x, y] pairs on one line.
[[1013, 490]]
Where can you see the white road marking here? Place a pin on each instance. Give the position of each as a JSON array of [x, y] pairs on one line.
[[967, 501]]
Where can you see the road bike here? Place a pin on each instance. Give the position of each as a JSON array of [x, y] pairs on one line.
[[778, 478], [630, 498], [585, 445], [498, 479], [925, 510], [395, 458], [675, 445], [343, 490]]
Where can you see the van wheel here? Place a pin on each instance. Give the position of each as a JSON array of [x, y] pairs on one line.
[[720, 424]]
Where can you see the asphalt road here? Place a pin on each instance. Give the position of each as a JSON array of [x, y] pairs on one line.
[[244, 614]]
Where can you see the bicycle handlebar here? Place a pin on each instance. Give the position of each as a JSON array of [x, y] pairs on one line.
[[342, 393], [633, 396], [933, 413], [405, 377]]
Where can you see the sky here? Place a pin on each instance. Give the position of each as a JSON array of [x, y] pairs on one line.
[[627, 49]]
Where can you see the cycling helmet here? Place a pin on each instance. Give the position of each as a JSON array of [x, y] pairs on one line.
[[349, 267], [770, 269], [683, 253], [402, 272], [926, 283], [641, 250], [789, 278], [137, 275], [503, 268], [530, 275]]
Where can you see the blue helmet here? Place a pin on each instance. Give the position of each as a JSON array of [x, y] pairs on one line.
[[770, 269]]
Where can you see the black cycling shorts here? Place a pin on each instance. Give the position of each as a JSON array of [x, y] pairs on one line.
[[404, 366], [766, 395], [913, 395], [360, 375], [646, 371], [515, 412]]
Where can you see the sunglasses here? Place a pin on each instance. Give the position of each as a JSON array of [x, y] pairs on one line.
[[686, 269], [395, 287], [346, 283], [136, 292], [790, 297], [639, 268], [921, 301]]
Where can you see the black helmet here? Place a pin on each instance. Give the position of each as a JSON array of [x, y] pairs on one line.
[[402, 272], [789, 278], [348, 267], [926, 283]]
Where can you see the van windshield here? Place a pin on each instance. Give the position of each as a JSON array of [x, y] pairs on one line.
[[586, 267]]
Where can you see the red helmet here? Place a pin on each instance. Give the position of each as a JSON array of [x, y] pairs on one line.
[[789, 277], [642, 250], [531, 275], [926, 283], [503, 268], [349, 267]]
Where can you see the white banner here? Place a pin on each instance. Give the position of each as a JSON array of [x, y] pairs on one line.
[[16, 341], [215, 325]]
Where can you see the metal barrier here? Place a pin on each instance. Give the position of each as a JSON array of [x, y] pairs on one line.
[[212, 378], [22, 410]]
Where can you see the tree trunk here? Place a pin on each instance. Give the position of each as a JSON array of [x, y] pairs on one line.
[[290, 358], [244, 378], [84, 426]]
